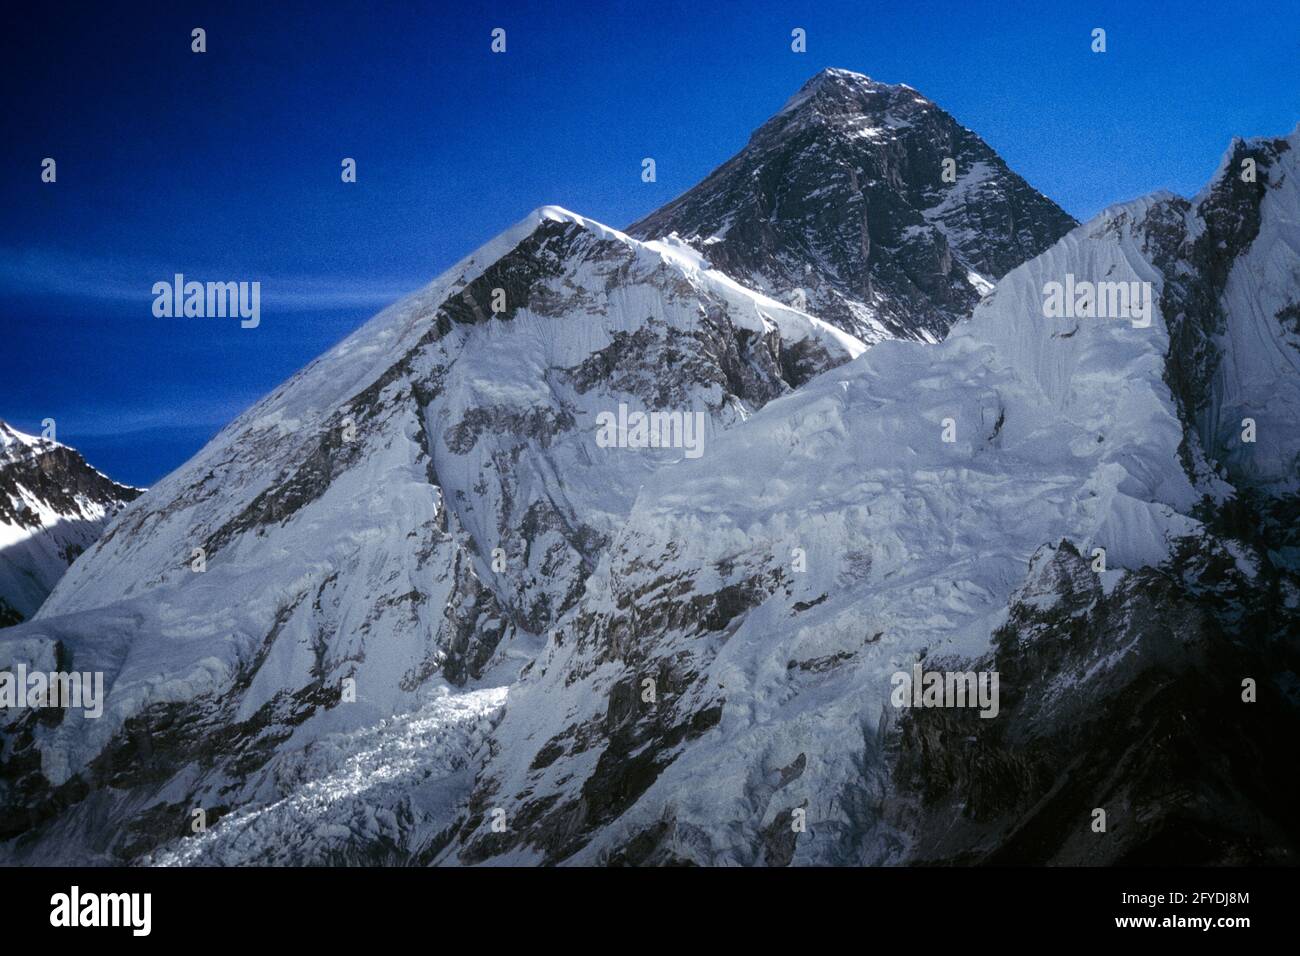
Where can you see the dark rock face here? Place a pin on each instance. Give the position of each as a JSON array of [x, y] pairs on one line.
[[842, 195], [1129, 702], [8, 614]]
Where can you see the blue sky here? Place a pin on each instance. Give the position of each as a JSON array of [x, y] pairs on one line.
[[225, 165]]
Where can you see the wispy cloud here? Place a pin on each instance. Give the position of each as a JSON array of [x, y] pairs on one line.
[[48, 272]]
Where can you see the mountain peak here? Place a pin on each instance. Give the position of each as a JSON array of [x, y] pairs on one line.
[[840, 201], [14, 443], [1265, 152], [839, 77], [835, 92]]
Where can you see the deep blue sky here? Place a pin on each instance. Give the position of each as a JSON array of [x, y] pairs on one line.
[[226, 165]]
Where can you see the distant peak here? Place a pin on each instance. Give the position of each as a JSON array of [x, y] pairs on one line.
[[12, 436], [15, 444], [838, 73], [836, 92], [834, 78], [834, 74]]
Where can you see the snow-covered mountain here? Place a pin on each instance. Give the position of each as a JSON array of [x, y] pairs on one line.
[[52, 507], [415, 606], [417, 505], [886, 216], [770, 592]]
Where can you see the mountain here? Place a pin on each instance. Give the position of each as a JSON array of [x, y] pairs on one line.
[[432, 601], [408, 514], [52, 507], [842, 197], [1096, 531]]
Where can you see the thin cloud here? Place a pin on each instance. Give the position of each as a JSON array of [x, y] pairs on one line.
[[58, 274]]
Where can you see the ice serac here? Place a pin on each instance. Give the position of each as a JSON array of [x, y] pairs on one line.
[[409, 512], [1092, 531], [52, 508], [841, 197]]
